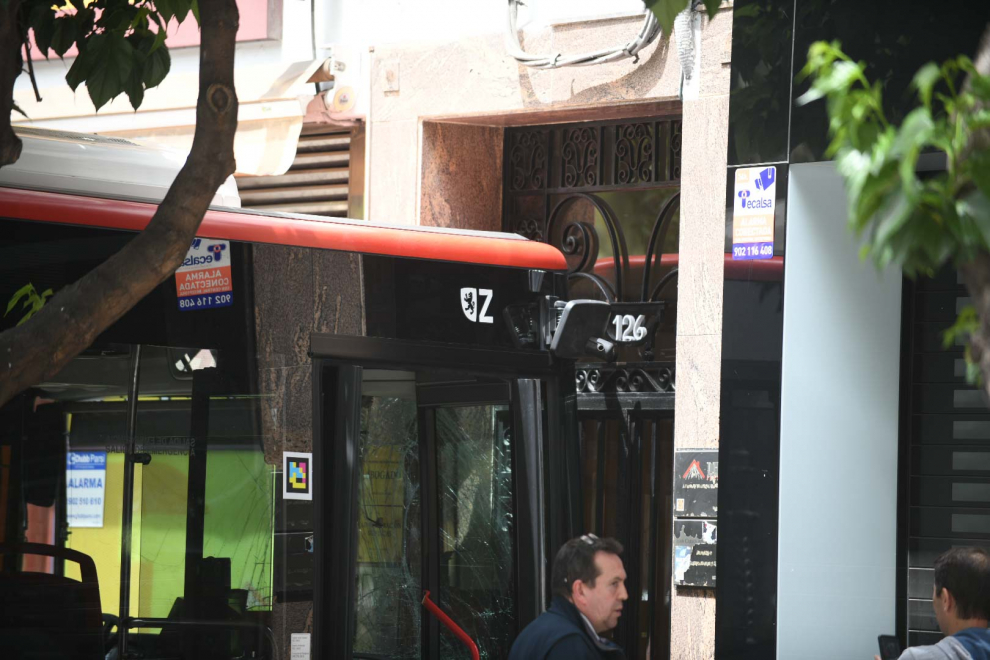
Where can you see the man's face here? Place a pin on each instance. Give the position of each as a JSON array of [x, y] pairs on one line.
[[602, 604]]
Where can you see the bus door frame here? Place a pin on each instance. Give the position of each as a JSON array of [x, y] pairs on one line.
[[540, 485]]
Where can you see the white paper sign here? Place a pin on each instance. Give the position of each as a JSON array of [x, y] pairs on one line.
[[86, 478], [300, 646]]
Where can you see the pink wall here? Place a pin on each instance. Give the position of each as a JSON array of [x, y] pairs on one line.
[[253, 27]]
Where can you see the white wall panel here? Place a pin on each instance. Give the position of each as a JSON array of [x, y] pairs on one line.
[[839, 432]]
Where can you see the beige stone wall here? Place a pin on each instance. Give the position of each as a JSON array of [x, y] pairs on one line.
[[422, 167], [475, 80], [699, 300]]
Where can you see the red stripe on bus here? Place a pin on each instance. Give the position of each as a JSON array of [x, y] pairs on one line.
[[302, 232]]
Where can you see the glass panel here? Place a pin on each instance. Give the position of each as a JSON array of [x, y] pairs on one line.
[[216, 491], [474, 485], [387, 608]]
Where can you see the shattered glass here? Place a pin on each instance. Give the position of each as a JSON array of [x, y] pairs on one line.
[[474, 473], [387, 608]]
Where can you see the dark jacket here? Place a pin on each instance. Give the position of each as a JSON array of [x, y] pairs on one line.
[[561, 633]]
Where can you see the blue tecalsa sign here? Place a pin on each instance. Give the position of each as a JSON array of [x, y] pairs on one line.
[[752, 212]]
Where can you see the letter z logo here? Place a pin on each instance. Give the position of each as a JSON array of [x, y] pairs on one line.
[[470, 300]]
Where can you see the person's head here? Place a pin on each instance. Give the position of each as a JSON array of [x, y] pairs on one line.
[[962, 588], [588, 572]]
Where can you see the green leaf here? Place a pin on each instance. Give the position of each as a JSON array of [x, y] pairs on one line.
[[666, 11], [182, 9], [65, 34], [156, 67], [135, 88], [712, 7], [81, 66], [43, 20], [166, 9], [924, 82], [895, 212], [194, 7], [966, 324], [114, 59], [26, 290], [838, 77]]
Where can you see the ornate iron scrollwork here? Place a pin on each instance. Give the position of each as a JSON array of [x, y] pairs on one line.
[[529, 228], [627, 379], [528, 160], [634, 153], [657, 237], [580, 162], [581, 239], [675, 150]]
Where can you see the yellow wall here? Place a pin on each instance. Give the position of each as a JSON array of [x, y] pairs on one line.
[[238, 525]]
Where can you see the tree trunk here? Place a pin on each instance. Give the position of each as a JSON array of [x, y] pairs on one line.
[[11, 42], [976, 275], [76, 315]]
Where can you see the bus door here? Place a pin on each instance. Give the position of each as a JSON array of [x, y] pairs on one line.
[[437, 466]]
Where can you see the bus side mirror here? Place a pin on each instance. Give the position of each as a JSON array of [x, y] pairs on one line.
[[581, 331]]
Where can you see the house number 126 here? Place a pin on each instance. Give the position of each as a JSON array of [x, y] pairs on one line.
[[629, 327]]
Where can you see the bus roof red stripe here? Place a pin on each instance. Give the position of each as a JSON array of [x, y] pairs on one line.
[[346, 237]]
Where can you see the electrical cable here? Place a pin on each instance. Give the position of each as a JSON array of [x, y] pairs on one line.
[[647, 35]]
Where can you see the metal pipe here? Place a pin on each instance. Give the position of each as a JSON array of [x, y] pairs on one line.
[[450, 625], [127, 514]]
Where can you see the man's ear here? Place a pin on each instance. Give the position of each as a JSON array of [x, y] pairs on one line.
[[948, 601], [577, 592]]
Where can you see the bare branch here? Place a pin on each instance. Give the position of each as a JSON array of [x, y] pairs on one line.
[[77, 314]]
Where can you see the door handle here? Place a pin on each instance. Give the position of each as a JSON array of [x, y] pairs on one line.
[[435, 610]]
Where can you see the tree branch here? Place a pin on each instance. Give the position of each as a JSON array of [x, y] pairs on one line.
[[76, 315], [12, 35]]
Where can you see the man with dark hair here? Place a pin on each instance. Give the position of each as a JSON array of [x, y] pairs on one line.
[[588, 583], [961, 599]]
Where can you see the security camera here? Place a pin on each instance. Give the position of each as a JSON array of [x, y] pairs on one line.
[[580, 329], [602, 348]]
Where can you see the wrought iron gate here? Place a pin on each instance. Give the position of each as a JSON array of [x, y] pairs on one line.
[[607, 194]]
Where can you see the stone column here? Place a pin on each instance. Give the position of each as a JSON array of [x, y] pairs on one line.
[[699, 300]]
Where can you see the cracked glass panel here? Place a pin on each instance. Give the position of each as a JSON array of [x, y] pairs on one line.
[[474, 474], [387, 608]]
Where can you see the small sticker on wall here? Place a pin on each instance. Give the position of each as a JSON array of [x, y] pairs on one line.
[[203, 280], [752, 212], [297, 475]]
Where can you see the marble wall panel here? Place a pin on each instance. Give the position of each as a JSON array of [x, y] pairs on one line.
[[702, 235], [462, 176]]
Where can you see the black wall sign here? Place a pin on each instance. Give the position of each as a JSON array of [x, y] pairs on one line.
[[696, 483], [694, 552]]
